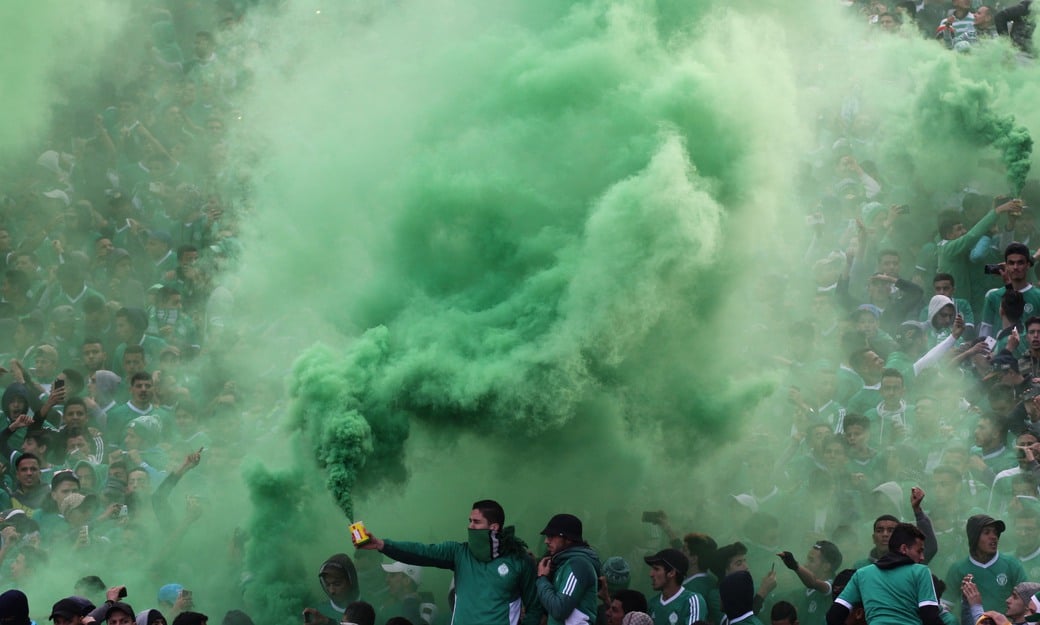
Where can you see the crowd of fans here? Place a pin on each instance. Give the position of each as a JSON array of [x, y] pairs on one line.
[[918, 371]]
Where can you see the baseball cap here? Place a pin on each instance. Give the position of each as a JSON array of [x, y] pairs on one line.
[[413, 572], [671, 558]]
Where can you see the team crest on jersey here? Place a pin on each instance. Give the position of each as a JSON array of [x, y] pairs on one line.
[[673, 618], [1001, 580], [503, 569], [1029, 308], [812, 607]]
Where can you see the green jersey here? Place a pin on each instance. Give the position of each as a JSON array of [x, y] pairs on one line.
[[705, 585], [891, 594], [954, 260], [683, 608], [995, 579], [991, 308]]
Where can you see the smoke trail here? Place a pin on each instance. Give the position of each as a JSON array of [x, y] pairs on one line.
[[952, 105]]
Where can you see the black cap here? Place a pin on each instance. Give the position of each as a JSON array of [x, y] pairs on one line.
[[71, 607], [566, 525], [120, 606], [671, 558]]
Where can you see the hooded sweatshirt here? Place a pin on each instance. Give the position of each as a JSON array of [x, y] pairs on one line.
[[571, 596], [737, 592], [937, 303], [342, 564], [146, 617]]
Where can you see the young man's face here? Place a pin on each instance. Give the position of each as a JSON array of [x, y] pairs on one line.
[[889, 265], [133, 363], [944, 318], [1016, 607], [658, 577], [64, 489], [75, 415], [124, 329], [817, 565], [985, 434], [891, 390], [615, 613], [142, 391], [555, 544], [943, 287], [989, 540], [737, 563], [93, 356], [834, 456], [1033, 336], [1015, 267], [336, 585], [915, 552], [857, 436], [29, 473], [882, 532]]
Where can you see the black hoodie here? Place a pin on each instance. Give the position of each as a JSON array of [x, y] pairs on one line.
[[342, 564]]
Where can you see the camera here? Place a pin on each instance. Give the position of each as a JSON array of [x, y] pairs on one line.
[[992, 270]]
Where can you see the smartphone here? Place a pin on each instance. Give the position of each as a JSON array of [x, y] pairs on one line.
[[652, 516], [59, 383], [990, 342], [186, 594]]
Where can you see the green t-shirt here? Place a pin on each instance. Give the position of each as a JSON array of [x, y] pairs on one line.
[[890, 596]]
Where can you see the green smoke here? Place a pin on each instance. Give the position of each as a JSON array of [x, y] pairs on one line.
[[954, 106]]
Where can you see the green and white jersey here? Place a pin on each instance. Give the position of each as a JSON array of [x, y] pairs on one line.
[[890, 596], [705, 585], [683, 608], [991, 308], [995, 579]]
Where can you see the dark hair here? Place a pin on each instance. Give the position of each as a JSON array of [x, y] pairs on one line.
[[38, 436], [724, 555], [190, 618], [25, 457], [702, 547], [236, 617], [939, 277], [133, 349], [75, 401], [136, 317], [631, 600], [398, 620], [1018, 248], [139, 376], [856, 419], [892, 373], [184, 249], [1013, 304], [93, 303], [904, 534], [93, 340], [783, 611], [360, 612], [490, 510], [1031, 321], [858, 358], [885, 517], [887, 252]]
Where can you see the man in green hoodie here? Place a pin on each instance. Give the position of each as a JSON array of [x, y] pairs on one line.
[[568, 576], [494, 575]]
